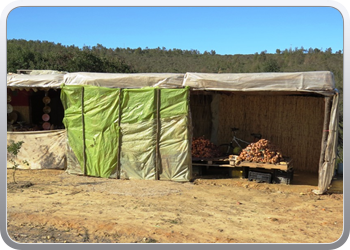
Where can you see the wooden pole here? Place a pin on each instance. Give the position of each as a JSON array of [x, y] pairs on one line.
[[157, 133], [119, 132], [327, 111], [83, 125]]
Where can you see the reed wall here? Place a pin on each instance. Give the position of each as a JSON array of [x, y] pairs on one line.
[[201, 114], [293, 123]]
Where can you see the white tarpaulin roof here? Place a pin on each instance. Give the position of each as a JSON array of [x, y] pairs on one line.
[[54, 80], [120, 80], [321, 82]]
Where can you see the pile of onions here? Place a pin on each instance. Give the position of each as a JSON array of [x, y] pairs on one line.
[[203, 148], [262, 151]]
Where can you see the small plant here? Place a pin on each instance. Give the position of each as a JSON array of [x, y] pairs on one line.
[[12, 150], [174, 221], [151, 240]]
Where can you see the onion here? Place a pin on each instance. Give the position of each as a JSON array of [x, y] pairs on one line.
[[262, 151]]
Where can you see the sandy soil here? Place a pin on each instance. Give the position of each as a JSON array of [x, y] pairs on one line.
[[53, 206]]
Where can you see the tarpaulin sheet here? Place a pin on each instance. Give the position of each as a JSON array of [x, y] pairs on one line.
[[98, 129], [326, 170], [41, 149], [122, 80], [175, 141], [48, 79], [101, 130], [321, 82], [92, 129], [71, 98], [138, 134]]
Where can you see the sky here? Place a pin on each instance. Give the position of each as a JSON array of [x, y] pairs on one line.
[[226, 30]]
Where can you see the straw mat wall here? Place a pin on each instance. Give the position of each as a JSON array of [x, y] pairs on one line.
[[293, 123], [201, 114]]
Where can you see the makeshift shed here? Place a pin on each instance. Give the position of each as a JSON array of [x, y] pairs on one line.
[[298, 112], [42, 148], [141, 125]]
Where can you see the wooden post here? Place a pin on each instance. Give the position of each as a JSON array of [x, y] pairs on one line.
[[119, 132], [83, 125], [157, 133], [325, 131]]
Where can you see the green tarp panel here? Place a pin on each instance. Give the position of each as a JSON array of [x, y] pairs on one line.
[[101, 115], [175, 141], [98, 126], [71, 98], [138, 129], [154, 124]]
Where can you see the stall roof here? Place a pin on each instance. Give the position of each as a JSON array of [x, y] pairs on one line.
[[37, 79], [120, 80], [320, 82]]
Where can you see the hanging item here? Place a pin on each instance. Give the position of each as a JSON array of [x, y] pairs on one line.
[[9, 108], [46, 100], [12, 117], [45, 117], [11, 114], [46, 125], [46, 109]]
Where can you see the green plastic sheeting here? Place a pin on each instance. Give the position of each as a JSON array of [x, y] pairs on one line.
[[175, 141], [150, 141], [98, 124], [101, 130], [138, 129], [71, 98]]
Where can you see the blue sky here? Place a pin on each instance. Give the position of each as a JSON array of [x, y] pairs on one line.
[[227, 30]]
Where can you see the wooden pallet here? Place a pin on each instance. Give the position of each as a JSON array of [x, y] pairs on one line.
[[285, 165], [211, 162], [231, 162]]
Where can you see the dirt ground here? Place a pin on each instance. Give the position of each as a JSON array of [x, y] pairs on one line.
[[51, 206]]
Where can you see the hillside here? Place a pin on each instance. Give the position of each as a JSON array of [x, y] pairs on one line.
[[41, 55]]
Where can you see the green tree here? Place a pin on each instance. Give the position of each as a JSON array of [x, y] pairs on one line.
[[13, 150], [271, 65]]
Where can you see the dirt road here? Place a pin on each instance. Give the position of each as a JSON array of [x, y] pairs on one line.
[[52, 206]]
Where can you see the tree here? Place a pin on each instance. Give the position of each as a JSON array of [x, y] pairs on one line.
[[316, 50], [39, 55], [328, 51], [339, 52], [271, 65], [13, 150]]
